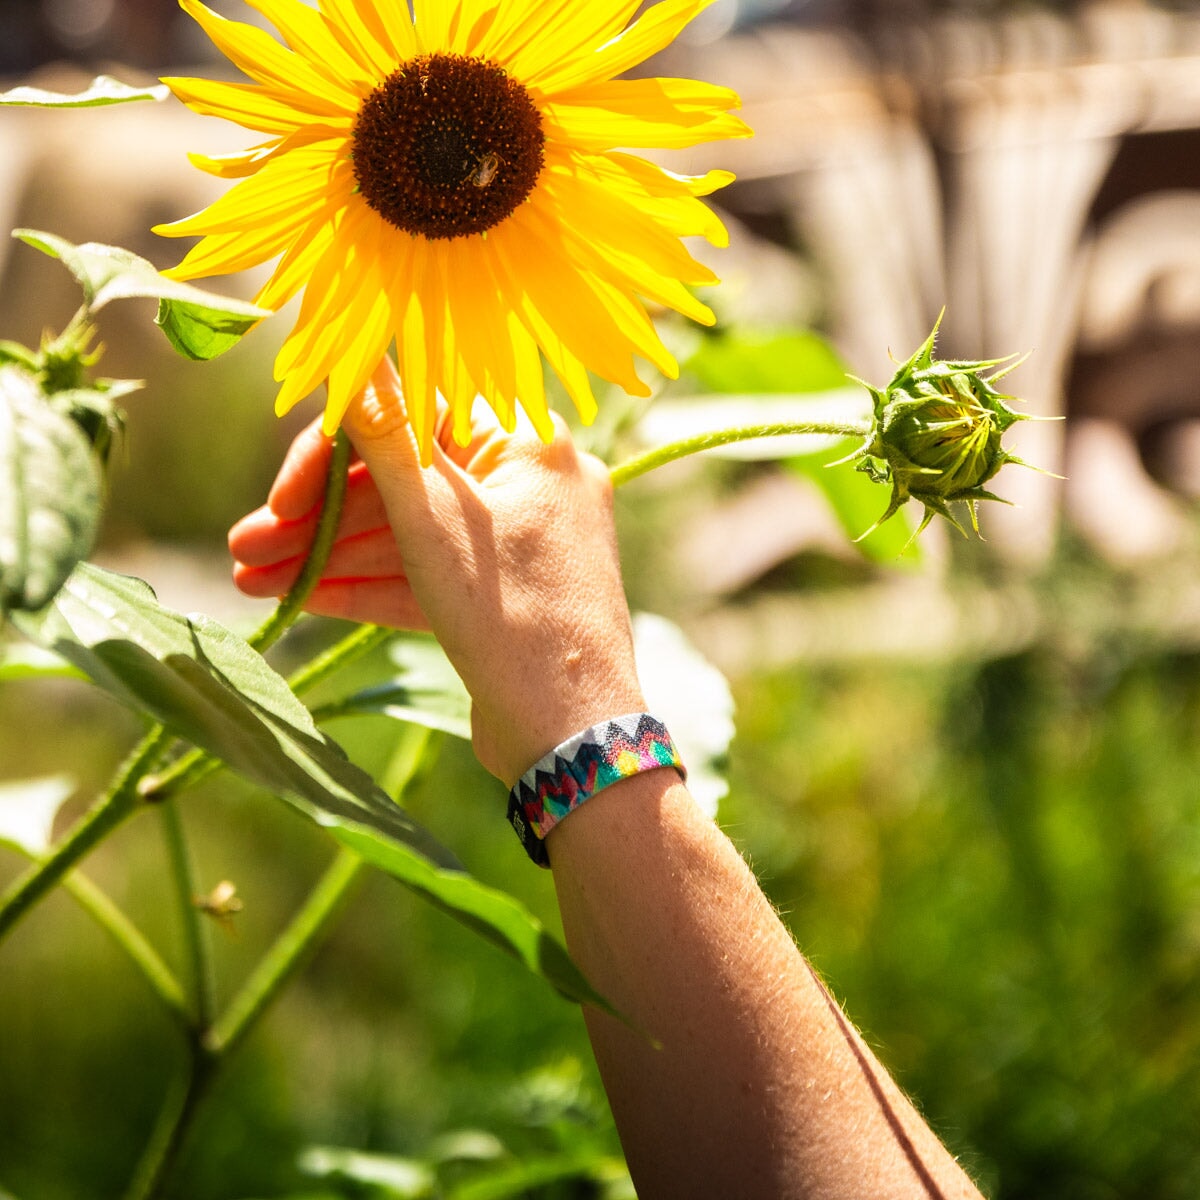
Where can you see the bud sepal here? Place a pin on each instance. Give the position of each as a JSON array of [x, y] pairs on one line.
[[937, 432]]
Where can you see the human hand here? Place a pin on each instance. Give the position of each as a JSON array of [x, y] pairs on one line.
[[505, 548]]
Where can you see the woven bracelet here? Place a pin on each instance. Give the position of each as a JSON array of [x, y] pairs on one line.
[[559, 782]]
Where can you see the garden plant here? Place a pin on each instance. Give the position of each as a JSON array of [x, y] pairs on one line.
[[457, 191]]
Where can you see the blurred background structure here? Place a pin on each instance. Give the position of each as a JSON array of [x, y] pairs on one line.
[[971, 785]]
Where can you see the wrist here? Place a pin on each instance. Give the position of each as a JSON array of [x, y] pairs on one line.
[[590, 761], [510, 745]]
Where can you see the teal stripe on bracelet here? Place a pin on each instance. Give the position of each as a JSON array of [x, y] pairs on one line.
[[585, 764]]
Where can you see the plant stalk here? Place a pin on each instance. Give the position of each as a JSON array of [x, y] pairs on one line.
[[622, 473], [174, 1119], [208, 1044], [292, 949], [120, 801], [290, 607], [195, 934], [141, 953]]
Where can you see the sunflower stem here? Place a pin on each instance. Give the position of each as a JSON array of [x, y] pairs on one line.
[[120, 801], [174, 1120], [292, 949], [622, 473], [195, 934], [290, 607], [354, 645], [97, 904]]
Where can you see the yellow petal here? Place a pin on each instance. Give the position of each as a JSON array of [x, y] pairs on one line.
[[357, 28], [418, 309], [396, 28], [286, 192], [225, 253], [658, 181], [235, 166], [338, 276], [243, 103], [476, 318], [531, 385], [370, 333], [669, 200], [459, 390], [473, 28], [260, 56], [653, 31], [432, 21], [664, 113], [308, 33], [342, 325], [298, 264], [551, 296], [538, 36], [611, 221]]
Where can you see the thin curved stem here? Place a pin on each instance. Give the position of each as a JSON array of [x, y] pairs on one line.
[[292, 604], [174, 1119], [290, 952], [639, 465], [96, 902], [353, 646], [120, 801], [195, 935]]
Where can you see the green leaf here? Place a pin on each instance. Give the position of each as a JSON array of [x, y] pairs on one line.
[[20, 356], [102, 90], [27, 811], [202, 332], [50, 494], [199, 324], [427, 691], [25, 661], [799, 361], [495, 915], [208, 686], [858, 501]]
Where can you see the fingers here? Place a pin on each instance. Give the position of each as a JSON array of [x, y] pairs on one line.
[[372, 601], [300, 484], [371, 555], [264, 537]]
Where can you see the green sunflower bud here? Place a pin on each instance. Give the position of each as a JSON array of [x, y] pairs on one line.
[[937, 432]]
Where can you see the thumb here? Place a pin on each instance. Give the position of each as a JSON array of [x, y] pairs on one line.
[[423, 504], [377, 423]]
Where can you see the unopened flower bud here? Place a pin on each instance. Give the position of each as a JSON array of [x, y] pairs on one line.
[[936, 435]]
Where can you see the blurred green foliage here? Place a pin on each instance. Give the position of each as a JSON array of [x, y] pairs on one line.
[[994, 861], [996, 864]]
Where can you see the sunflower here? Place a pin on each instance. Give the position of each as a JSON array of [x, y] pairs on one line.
[[458, 180]]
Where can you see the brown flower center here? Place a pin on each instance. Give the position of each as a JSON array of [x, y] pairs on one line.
[[447, 146]]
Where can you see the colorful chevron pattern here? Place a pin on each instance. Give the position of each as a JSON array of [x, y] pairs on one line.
[[562, 780]]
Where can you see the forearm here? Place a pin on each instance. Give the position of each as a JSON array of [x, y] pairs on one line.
[[757, 1086]]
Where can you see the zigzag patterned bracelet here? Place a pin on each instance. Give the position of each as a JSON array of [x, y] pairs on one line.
[[559, 782]]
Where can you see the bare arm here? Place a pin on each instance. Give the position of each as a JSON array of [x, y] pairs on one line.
[[751, 1082]]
